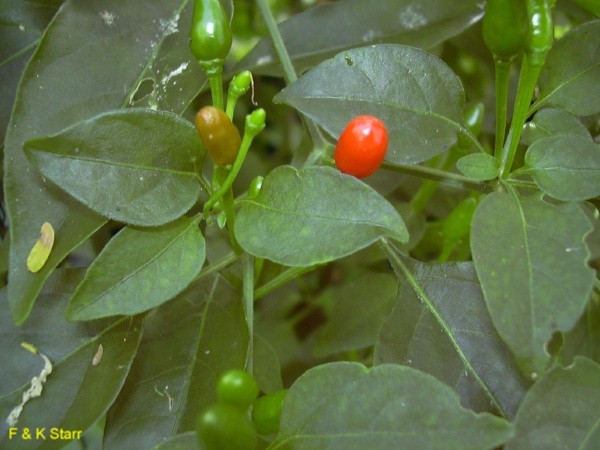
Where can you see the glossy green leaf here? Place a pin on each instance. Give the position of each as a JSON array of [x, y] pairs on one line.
[[480, 166], [346, 405], [572, 72], [549, 122], [338, 26], [46, 325], [532, 263], [139, 269], [422, 107], [565, 167], [63, 84], [21, 26], [314, 215], [440, 325], [77, 392], [561, 410], [134, 165], [359, 309], [187, 344]]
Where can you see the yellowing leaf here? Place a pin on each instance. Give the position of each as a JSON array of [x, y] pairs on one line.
[[41, 249]]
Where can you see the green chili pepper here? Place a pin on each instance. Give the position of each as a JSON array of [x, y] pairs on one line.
[[456, 226], [239, 86], [473, 120], [505, 28], [219, 135], [255, 186], [541, 30], [210, 37]]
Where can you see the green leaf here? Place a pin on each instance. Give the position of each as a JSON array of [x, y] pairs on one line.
[[77, 392], [184, 441], [314, 215], [346, 405], [187, 344], [267, 369], [422, 107], [440, 325], [358, 311], [561, 410], [584, 338], [565, 167], [418, 23], [572, 71], [480, 166], [128, 165], [531, 260], [549, 122], [21, 26], [85, 64], [139, 269]]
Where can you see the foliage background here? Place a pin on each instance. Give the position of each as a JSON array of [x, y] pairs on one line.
[[498, 342]]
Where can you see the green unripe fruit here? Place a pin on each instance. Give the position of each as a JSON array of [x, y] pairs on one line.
[[266, 412], [225, 427], [210, 36], [237, 388]]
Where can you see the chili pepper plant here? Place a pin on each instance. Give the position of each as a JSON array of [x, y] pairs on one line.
[[177, 208]]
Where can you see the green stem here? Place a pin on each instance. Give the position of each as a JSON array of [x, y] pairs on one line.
[[527, 80], [217, 267], [284, 277], [215, 79], [428, 187], [220, 174], [248, 300], [289, 73], [438, 175], [235, 169], [522, 183], [502, 69], [231, 102]]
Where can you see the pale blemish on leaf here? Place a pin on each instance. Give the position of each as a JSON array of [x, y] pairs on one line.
[[108, 18], [165, 393], [98, 355], [37, 384], [41, 250]]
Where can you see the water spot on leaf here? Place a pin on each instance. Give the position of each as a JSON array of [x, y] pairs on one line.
[[178, 71], [412, 19], [264, 60], [108, 18], [168, 27]]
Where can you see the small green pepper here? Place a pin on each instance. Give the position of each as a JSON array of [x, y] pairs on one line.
[[255, 186], [541, 31], [225, 427], [210, 36], [456, 227], [505, 28], [473, 120], [266, 411]]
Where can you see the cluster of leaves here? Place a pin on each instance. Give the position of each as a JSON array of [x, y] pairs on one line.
[[382, 347]]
